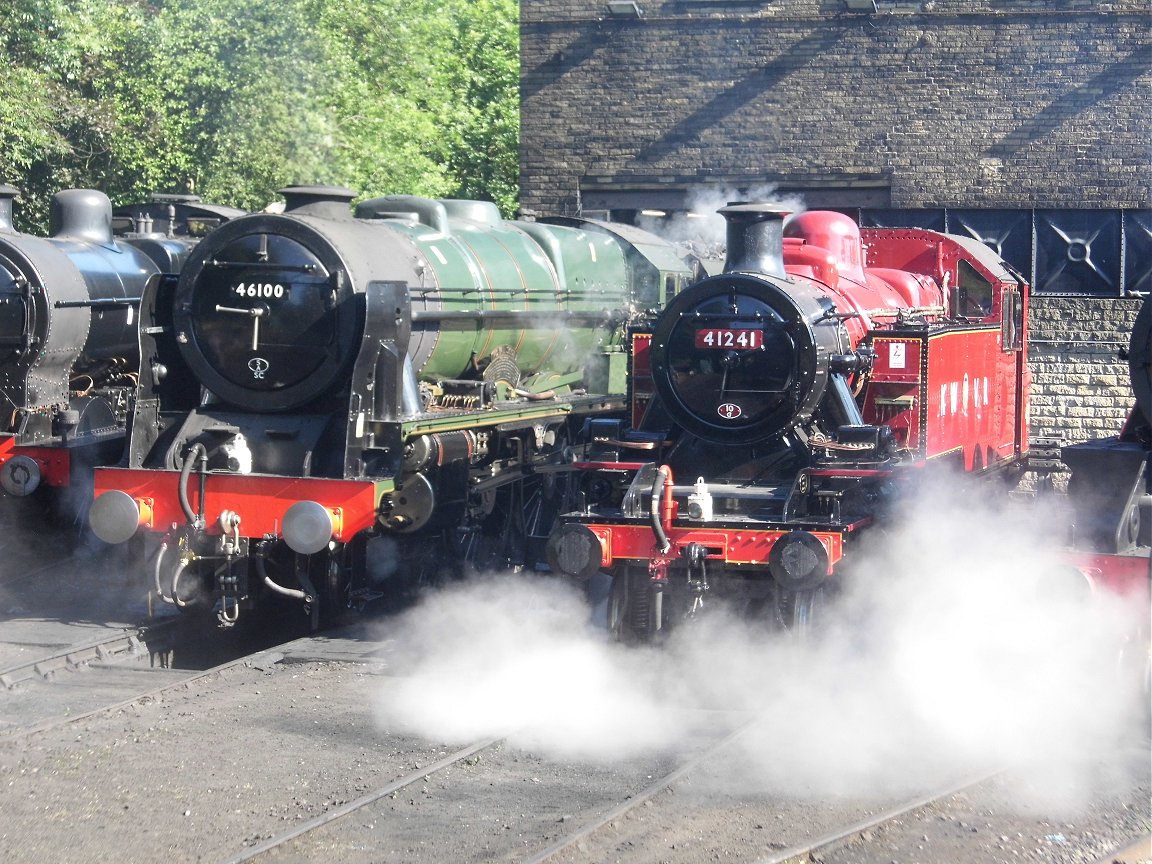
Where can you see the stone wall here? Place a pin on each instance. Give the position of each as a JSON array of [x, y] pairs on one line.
[[988, 103], [1080, 386], [941, 103]]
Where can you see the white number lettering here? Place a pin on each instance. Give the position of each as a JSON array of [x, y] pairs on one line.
[[266, 290]]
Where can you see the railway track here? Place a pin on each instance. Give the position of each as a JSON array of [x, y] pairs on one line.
[[73, 643], [66, 684], [806, 851], [563, 814], [661, 821], [303, 836], [280, 755], [119, 644], [277, 757]]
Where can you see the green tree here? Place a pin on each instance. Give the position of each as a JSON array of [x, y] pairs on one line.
[[226, 101], [234, 101], [55, 129], [386, 93], [483, 128]]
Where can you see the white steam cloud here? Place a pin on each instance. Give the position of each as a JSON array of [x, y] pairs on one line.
[[702, 227], [951, 651], [515, 656]]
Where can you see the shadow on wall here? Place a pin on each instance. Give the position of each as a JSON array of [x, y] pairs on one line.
[[1115, 78]]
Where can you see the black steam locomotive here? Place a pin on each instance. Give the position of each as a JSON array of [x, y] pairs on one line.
[[1110, 493], [331, 397], [68, 336]]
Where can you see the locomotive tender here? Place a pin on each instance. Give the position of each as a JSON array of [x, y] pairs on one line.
[[68, 314], [783, 401], [413, 372]]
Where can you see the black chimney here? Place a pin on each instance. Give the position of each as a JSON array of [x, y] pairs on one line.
[[7, 196], [755, 238], [327, 202]]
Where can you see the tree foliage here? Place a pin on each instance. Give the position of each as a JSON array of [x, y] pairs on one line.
[[235, 101]]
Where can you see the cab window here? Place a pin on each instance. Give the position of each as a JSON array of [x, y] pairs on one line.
[[972, 295], [1011, 319]]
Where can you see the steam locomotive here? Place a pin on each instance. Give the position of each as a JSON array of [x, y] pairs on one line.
[[330, 398], [68, 344], [1110, 531], [778, 406]]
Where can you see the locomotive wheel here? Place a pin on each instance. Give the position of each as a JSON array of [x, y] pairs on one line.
[[618, 608], [326, 573], [498, 541], [519, 520], [333, 575], [797, 610], [633, 607], [427, 561]]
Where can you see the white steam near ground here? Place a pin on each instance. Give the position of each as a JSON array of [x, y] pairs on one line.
[[949, 652]]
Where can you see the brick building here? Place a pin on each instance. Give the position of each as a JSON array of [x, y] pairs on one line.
[[1025, 123]]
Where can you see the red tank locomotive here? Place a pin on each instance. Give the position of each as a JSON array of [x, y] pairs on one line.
[[777, 405]]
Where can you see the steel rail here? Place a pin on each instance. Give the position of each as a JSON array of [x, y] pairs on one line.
[[363, 801], [796, 855], [812, 851], [53, 722], [640, 798], [131, 640]]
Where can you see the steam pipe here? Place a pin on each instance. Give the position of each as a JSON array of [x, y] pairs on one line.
[[176, 582], [661, 495], [156, 573], [262, 572], [195, 451], [840, 404]]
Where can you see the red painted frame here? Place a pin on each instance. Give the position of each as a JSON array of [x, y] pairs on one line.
[[738, 546], [260, 501], [55, 462]]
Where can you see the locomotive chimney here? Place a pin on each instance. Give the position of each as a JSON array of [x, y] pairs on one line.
[[81, 214], [755, 238], [7, 196], [327, 202]]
